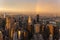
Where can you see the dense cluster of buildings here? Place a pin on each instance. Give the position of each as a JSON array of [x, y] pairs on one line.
[[22, 27]]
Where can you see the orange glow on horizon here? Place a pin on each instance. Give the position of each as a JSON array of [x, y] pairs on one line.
[[38, 9]]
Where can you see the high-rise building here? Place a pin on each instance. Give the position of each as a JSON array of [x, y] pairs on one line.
[[29, 21], [1, 35], [50, 28], [4, 15], [36, 28], [29, 24], [2, 23], [8, 23], [2, 27], [37, 18]]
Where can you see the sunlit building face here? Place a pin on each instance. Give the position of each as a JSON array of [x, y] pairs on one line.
[[0, 32], [29, 20], [19, 34]]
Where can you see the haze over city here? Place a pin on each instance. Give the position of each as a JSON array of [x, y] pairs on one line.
[[29, 19], [33, 6]]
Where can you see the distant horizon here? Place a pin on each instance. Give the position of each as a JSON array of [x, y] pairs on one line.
[[30, 13]]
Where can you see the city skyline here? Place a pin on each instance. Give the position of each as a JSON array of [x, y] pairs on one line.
[[38, 6]]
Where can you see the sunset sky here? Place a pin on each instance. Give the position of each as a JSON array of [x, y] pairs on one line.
[[43, 6]]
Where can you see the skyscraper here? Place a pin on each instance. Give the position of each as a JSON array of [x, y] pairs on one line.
[[37, 18]]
